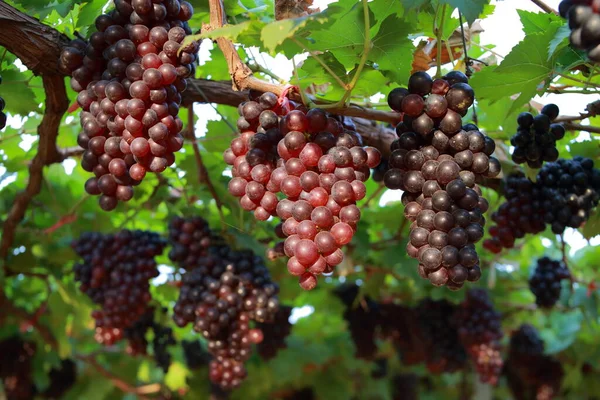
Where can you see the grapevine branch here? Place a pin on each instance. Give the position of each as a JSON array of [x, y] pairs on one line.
[[544, 6], [47, 153], [32, 41], [140, 391]]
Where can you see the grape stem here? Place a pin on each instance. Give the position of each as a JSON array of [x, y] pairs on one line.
[[544, 6], [365, 55], [439, 31]]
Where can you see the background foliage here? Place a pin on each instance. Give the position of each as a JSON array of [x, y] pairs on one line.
[[36, 276]]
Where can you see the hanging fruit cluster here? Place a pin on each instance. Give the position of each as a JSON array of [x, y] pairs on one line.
[[436, 161], [317, 164], [129, 77]]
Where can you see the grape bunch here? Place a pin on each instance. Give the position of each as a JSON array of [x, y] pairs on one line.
[[195, 354], [400, 324], [319, 166], [522, 213], [532, 374], [584, 19], [572, 188], [535, 140], [115, 274], [480, 331], [563, 196], [545, 283], [61, 378], [444, 351], [16, 368], [526, 344], [362, 323], [362, 319], [136, 333], [274, 333], [162, 338], [436, 161], [129, 77], [220, 296], [190, 239], [2, 113]]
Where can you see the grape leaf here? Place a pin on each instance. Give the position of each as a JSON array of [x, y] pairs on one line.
[[592, 226], [411, 4], [523, 70], [18, 96], [560, 40], [275, 33], [343, 35], [392, 49], [534, 22], [471, 9]]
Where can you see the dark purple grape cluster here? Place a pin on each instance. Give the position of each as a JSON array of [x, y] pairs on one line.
[[61, 378], [362, 323], [136, 333], [530, 373], [405, 387], [190, 239], [319, 166], [220, 296], [584, 21], [571, 189], [480, 331], [545, 283], [526, 343], [115, 274], [563, 195], [444, 351], [363, 320], [129, 76], [275, 333], [195, 354], [162, 338], [2, 113], [400, 324], [16, 368], [522, 213], [436, 161], [535, 140]]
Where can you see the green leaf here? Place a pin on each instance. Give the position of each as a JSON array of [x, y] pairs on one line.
[[412, 4], [560, 40], [343, 34], [592, 226], [176, 377], [534, 22], [471, 9], [392, 49], [275, 33], [523, 70], [16, 92]]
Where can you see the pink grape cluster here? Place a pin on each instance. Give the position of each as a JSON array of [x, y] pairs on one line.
[[129, 77], [317, 163]]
